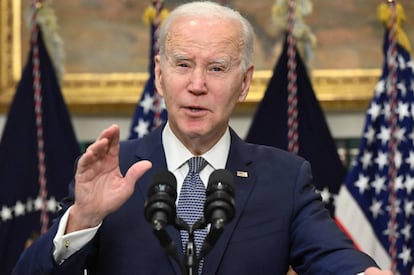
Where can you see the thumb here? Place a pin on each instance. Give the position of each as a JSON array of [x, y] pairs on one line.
[[137, 170]]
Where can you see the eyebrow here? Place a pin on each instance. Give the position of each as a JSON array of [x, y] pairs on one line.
[[178, 57], [181, 57]]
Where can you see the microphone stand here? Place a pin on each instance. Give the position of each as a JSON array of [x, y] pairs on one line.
[[191, 260]]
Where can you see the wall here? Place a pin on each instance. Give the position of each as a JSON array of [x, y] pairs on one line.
[[87, 128]]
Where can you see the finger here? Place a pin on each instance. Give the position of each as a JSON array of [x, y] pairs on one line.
[[136, 171], [109, 132], [114, 139], [112, 135], [93, 153]]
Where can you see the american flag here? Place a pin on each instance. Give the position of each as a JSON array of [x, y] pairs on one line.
[[150, 111], [376, 206]]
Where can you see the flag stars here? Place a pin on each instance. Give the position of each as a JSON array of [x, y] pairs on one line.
[[399, 183], [389, 197], [366, 159], [401, 62], [406, 231], [362, 183], [378, 184], [142, 128], [405, 255], [6, 213], [375, 208], [401, 87], [409, 184], [394, 206], [410, 160], [37, 204], [384, 135], [400, 134], [29, 205], [52, 205], [19, 209], [380, 88], [369, 135], [374, 110], [147, 103], [391, 230], [408, 208], [381, 160]]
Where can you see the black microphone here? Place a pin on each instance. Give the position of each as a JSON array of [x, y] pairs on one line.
[[159, 208], [219, 207]]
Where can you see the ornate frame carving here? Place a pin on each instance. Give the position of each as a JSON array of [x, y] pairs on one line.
[[118, 93]]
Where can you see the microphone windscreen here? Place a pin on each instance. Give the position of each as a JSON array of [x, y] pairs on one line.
[[223, 176], [161, 178]]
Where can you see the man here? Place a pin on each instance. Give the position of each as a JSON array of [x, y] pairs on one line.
[[203, 69]]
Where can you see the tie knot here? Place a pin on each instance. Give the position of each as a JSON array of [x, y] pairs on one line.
[[196, 164]]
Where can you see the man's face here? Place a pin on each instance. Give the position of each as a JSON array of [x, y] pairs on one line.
[[201, 77]]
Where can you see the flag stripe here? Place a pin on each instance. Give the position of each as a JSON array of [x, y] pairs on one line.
[[359, 230]]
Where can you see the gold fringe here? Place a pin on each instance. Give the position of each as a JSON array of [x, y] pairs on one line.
[[384, 15], [305, 40], [47, 21], [150, 15]]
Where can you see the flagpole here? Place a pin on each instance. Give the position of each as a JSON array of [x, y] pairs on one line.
[[393, 124], [293, 135]]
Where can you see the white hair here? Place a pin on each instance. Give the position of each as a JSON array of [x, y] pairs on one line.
[[208, 9]]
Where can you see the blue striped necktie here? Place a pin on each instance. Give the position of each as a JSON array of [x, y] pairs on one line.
[[191, 202]]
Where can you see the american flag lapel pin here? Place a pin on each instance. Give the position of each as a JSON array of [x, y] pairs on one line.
[[242, 174]]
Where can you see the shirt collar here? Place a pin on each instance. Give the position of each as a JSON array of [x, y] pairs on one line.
[[176, 154]]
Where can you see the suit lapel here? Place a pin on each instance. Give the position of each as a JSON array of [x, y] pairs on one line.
[[238, 164], [151, 148]]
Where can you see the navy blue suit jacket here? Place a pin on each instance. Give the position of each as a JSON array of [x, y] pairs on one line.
[[279, 221]]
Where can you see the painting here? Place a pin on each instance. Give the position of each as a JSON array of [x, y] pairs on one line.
[[107, 50]]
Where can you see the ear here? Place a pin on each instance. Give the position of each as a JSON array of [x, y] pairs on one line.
[[157, 71], [247, 80]]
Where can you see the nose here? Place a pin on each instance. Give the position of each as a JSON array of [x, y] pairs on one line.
[[198, 81]]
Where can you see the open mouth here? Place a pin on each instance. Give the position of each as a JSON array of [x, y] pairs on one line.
[[195, 108]]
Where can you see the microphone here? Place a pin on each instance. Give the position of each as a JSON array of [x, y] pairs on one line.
[[219, 207], [159, 208]]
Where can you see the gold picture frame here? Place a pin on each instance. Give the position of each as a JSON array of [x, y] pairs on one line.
[[116, 94]]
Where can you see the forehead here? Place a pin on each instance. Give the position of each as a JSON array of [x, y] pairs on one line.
[[209, 34]]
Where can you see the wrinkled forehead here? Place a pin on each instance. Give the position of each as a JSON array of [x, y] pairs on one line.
[[211, 31]]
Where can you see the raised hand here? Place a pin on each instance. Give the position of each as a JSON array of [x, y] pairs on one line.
[[100, 188]]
